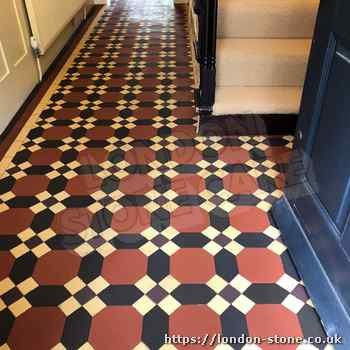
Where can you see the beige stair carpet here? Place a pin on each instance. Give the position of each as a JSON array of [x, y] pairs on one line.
[[257, 100], [262, 53], [261, 62]]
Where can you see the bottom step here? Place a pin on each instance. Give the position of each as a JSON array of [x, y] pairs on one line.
[[248, 125], [231, 100]]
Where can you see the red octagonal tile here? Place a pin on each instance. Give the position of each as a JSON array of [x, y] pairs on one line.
[[184, 131], [145, 112], [184, 112], [233, 155], [140, 155], [116, 327], [192, 265], [186, 155], [71, 221], [15, 220], [67, 113], [6, 263], [38, 328], [268, 320], [100, 133], [92, 156], [143, 132], [107, 113], [194, 321], [249, 219], [125, 266], [57, 267], [187, 184], [57, 132], [189, 219], [280, 181], [30, 185], [131, 220], [279, 154], [83, 185], [136, 184], [45, 156], [260, 265], [240, 183]]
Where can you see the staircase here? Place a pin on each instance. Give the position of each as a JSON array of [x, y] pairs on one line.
[[262, 49]]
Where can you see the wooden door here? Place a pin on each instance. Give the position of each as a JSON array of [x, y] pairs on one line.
[[314, 215], [18, 70]]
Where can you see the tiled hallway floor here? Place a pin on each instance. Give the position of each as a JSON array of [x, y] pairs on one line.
[[119, 225]]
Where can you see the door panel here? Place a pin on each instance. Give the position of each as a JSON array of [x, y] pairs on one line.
[[4, 68], [330, 164], [18, 70], [346, 238], [17, 49]]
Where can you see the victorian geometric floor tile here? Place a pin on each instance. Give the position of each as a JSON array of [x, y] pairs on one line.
[[120, 226]]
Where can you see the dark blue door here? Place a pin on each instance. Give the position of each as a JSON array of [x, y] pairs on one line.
[[314, 215]]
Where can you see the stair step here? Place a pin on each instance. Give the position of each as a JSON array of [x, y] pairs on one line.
[[262, 62], [257, 100], [267, 18]]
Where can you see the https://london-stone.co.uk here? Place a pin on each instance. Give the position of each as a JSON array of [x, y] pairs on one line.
[[219, 339]]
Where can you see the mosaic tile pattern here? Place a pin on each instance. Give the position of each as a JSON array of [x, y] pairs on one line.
[[119, 225]]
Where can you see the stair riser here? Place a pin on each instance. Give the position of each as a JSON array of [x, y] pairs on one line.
[[285, 72], [257, 100], [267, 18], [261, 62]]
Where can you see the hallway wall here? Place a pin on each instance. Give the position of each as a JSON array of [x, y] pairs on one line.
[[66, 34]]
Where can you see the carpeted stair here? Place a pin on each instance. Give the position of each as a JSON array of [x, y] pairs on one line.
[[262, 53]]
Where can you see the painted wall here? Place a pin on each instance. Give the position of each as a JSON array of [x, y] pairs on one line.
[[60, 42]]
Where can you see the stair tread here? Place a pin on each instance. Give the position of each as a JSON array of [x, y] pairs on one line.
[[253, 45], [257, 100], [262, 62], [267, 18]]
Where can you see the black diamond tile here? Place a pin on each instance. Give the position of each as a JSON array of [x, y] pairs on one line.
[[157, 294], [84, 295], [11, 296]]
